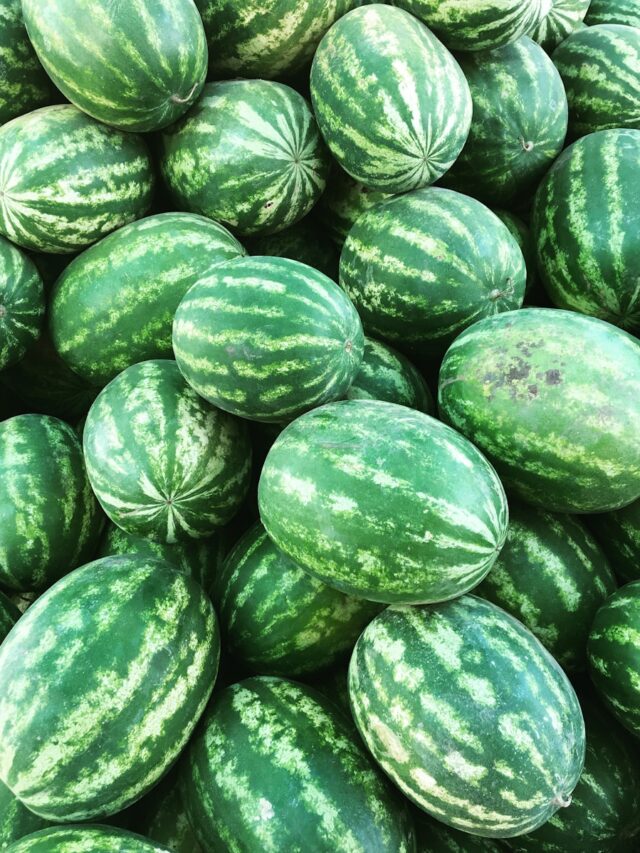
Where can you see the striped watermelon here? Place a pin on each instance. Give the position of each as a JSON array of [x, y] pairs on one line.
[[117, 661], [113, 306], [162, 461], [468, 714], [21, 303], [9, 615], [267, 338], [66, 181], [304, 242], [343, 202], [563, 18], [390, 100], [552, 576], [25, 86], [619, 535], [434, 837], [143, 70], [614, 655], [423, 266], [50, 518], [521, 232], [383, 502], [88, 839], [163, 818], [248, 154], [387, 375], [614, 12], [552, 398], [586, 224], [519, 123], [600, 69], [276, 767], [16, 821]]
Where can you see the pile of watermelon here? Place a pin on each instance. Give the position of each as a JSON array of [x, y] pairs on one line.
[[319, 426]]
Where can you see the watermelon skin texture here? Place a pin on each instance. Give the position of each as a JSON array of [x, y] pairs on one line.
[[563, 18], [449, 699], [586, 224], [415, 512], [380, 62], [118, 660], [619, 535], [344, 200], [163, 818], [304, 242], [553, 577], [519, 123], [389, 376], [16, 821], [422, 267], [521, 233], [113, 306], [267, 338], [140, 69], [21, 303], [248, 154], [435, 837], [89, 839], [25, 85], [163, 462], [9, 615], [50, 518], [66, 181], [614, 12], [279, 751], [505, 383]]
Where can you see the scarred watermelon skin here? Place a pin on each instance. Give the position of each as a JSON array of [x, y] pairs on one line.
[[88, 839], [561, 20], [614, 12], [21, 303], [619, 535], [25, 85]]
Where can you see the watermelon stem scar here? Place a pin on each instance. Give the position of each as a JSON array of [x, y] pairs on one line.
[[528, 146], [562, 802], [176, 99]]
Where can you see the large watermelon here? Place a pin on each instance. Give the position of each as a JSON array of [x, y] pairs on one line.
[[16, 821], [553, 399], [343, 202], [387, 375], [161, 460], [619, 534], [383, 502], [468, 714], [275, 766], [561, 20], [305, 242], [390, 100], [614, 12], [9, 615], [88, 839], [116, 662], [66, 180], [21, 303], [113, 305], [248, 154], [267, 338]]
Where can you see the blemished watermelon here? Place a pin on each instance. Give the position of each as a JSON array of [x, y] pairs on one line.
[[248, 154], [468, 714], [614, 12], [551, 397], [387, 375], [267, 338], [118, 660], [425, 265], [66, 180], [25, 85], [561, 20], [9, 615], [113, 305], [162, 817], [16, 821], [344, 200], [618, 533], [383, 502], [89, 839], [21, 303], [391, 101], [161, 460], [304, 242], [275, 766], [586, 224]]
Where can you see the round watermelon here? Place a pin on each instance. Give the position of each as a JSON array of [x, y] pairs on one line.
[[344, 200], [619, 535], [88, 839], [387, 375], [25, 85], [304, 242], [614, 12], [21, 303], [561, 20]]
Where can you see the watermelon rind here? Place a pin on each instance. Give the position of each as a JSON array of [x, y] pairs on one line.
[[618, 533], [22, 303]]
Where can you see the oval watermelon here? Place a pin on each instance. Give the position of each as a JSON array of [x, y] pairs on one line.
[[304, 242], [16, 821], [561, 20], [619, 535], [343, 202], [614, 12], [89, 839], [21, 303], [25, 86], [387, 375]]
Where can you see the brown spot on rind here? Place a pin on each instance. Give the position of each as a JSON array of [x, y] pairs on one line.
[[552, 377]]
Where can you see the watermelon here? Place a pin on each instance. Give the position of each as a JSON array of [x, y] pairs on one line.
[[163, 818], [304, 242], [333, 683], [383, 502], [21, 601], [9, 615], [267, 338], [387, 375], [50, 521], [88, 839], [162, 461], [561, 20], [66, 181], [423, 266], [21, 303], [143, 70], [16, 821], [434, 837], [25, 86], [275, 766], [468, 714], [248, 154], [113, 305], [551, 397], [343, 202], [586, 224], [619, 535], [614, 655], [519, 123], [614, 12], [600, 69], [552, 576], [521, 232], [390, 100], [116, 661]]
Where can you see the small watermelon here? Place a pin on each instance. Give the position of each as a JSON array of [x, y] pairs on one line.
[[614, 12], [88, 839], [21, 303], [25, 85], [619, 535], [304, 242], [343, 202], [561, 20], [387, 375]]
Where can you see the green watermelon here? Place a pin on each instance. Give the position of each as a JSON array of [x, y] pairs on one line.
[[343, 202], [468, 714], [614, 12], [423, 266], [88, 839], [9, 615], [390, 100], [552, 576], [137, 66], [162, 461], [304, 242], [521, 233], [519, 123], [66, 180], [25, 86], [21, 303], [116, 661], [434, 837], [275, 766], [387, 375], [163, 818], [619, 535], [49, 519], [248, 154], [113, 305], [16, 821], [21, 600], [551, 397], [383, 502], [267, 338], [561, 20], [586, 224], [333, 683]]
